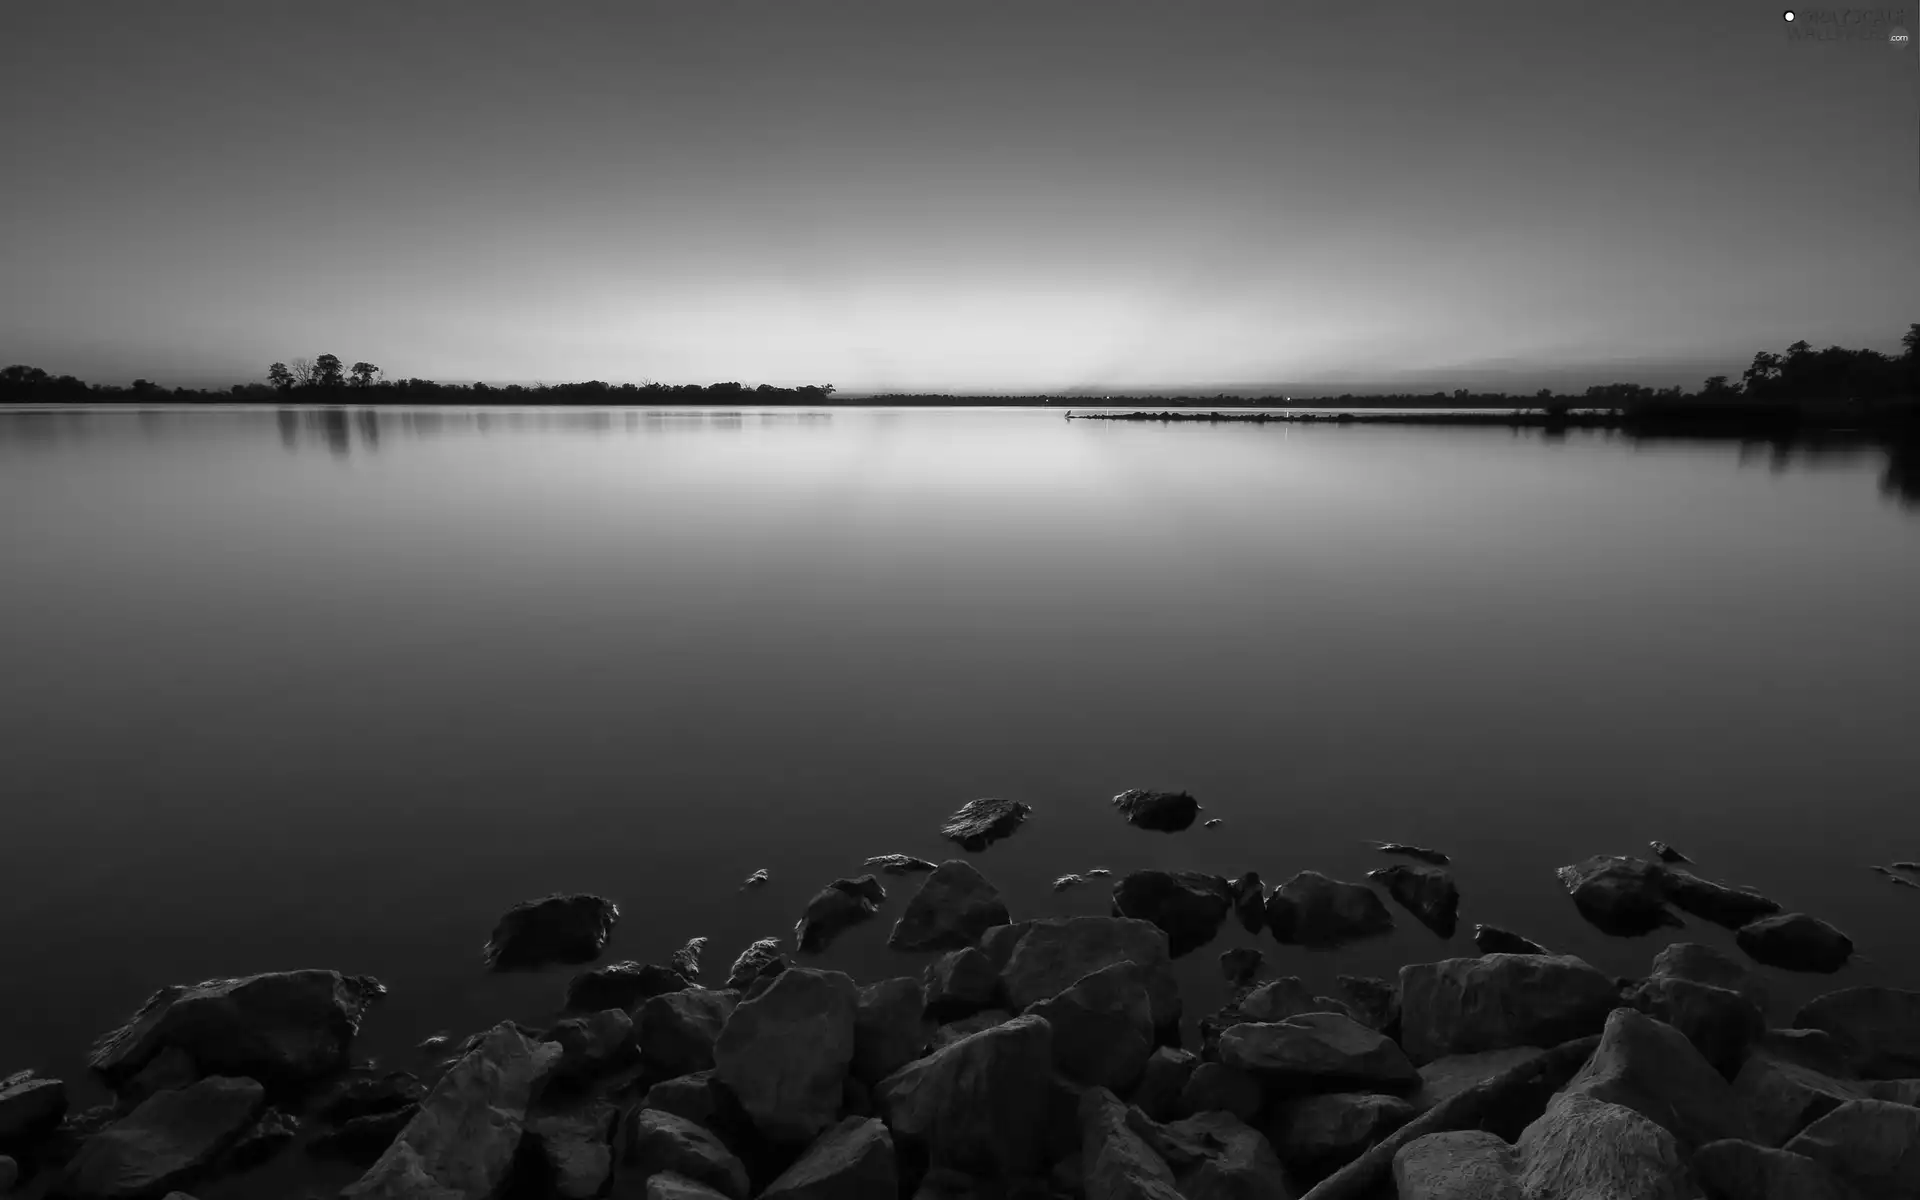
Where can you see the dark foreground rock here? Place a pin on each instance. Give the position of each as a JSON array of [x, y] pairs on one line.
[[1102, 1027], [172, 1136], [1782, 1097], [1649, 1067], [1491, 939], [676, 1031], [1743, 1171], [622, 985], [979, 823], [1584, 1147], [1317, 912], [1250, 902], [1167, 1073], [1428, 892], [954, 907], [1044, 958], [1116, 1162], [851, 1161], [1873, 1144], [1704, 964], [1165, 812], [835, 909], [29, 1107], [1318, 1049], [1372, 1001], [1725, 906], [1317, 1134], [891, 1028], [363, 1095], [1215, 1156], [1796, 942], [979, 1105], [576, 1149], [463, 1139], [592, 1045], [1877, 1029], [1466, 1005], [655, 1143], [1467, 1164], [1623, 897], [290, 1027], [1720, 1022], [1188, 906], [553, 929], [785, 1053], [961, 983]]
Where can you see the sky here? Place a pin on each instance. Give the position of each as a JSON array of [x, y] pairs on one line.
[[988, 196]]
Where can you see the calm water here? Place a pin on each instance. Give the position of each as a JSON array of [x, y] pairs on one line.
[[300, 688]]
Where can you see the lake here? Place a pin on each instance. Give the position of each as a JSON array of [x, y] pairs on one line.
[[330, 688]]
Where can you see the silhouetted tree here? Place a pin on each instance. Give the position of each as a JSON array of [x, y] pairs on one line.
[[279, 377], [304, 372], [327, 372], [364, 373]]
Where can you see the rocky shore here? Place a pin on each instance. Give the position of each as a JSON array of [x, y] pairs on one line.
[[1044, 1057]]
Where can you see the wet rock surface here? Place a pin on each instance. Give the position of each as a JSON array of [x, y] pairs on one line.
[[1704, 964], [954, 908], [1249, 902], [553, 929], [980, 1104], [1651, 1068], [654, 1143], [1467, 1164], [622, 985], [171, 1137], [1796, 942], [1428, 892], [835, 909], [760, 960], [1491, 939], [785, 1053], [1725, 906], [1407, 849], [1584, 1147], [1315, 911], [1188, 906], [1624, 897], [675, 1031], [898, 864], [1164, 812], [1877, 1029], [1318, 1049], [979, 823], [1497, 1001], [1102, 1027]]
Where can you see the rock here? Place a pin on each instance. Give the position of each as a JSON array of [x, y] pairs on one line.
[[1315, 911], [1216, 1156], [899, 864], [1716, 902], [835, 909], [1782, 1097], [463, 1138], [1372, 1001], [1583, 1147], [1044, 958], [171, 1068], [272, 1132], [961, 983], [1466, 1005], [758, 961], [621, 985], [1275, 1000], [1704, 964], [577, 1148], [1444, 1078], [290, 1027], [1161, 1082], [1068, 881], [1872, 1144], [1214, 1087], [1900, 1091], [654, 1142], [366, 1095], [979, 823], [1721, 1023], [1164, 812], [1876, 1028], [1815, 1049], [1652, 1068], [171, 1136], [1743, 1171], [553, 929], [1491, 939], [1467, 1164], [1796, 942], [1214, 822], [1249, 902], [851, 1161], [1666, 853], [30, 1108], [362, 1140], [669, 1185], [1422, 853], [1188, 906], [890, 1029], [686, 960], [1102, 1027], [785, 1053], [1116, 1162], [696, 1097], [676, 1031], [1241, 965], [978, 1105], [757, 879], [1426, 892], [594, 1044], [10, 1175], [952, 909], [946, 1035], [1319, 1049], [1315, 1134], [1624, 897]]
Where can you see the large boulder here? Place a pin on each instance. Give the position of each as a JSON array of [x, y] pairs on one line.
[[671, 1185], [835, 909], [463, 1139], [553, 929], [1497, 1001], [1427, 892], [1582, 1148], [29, 1107], [1796, 942], [1044, 958], [1165, 812], [654, 1143], [1624, 897], [622, 985], [1317, 912], [1782, 1097], [1736, 1170], [1116, 1162], [953, 1031], [785, 1053], [1873, 1144], [961, 983], [1315, 1134], [1444, 1078], [1215, 1156], [592, 1045], [1215, 1087], [1721, 1023], [1165, 1076], [173, 1135], [1102, 1027], [1464, 1164], [1372, 1001], [851, 1161], [978, 1105], [577, 1148], [1652, 1068], [1876, 1028], [890, 1028], [1319, 1049], [1724, 906], [1704, 964], [979, 823], [1188, 906], [953, 908], [676, 1030], [284, 1028]]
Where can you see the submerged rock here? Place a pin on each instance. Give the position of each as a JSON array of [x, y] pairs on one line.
[[1491, 939], [851, 1161], [980, 1104], [1466, 1005], [1212, 822], [954, 907], [172, 1135], [835, 909], [1067, 881], [786, 1052], [1716, 902], [1877, 1029], [622, 985], [686, 960], [757, 879], [1163, 812], [1188, 906], [1411, 851], [898, 864], [1426, 892], [1241, 965], [977, 824], [761, 959], [1796, 942], [1624, 897], [288, 1027], [1249, 901], [1320, 1049], [1583, 1147], [553, 929], [1317, 912]]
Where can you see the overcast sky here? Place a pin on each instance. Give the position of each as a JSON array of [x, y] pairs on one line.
[[907, 195]]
